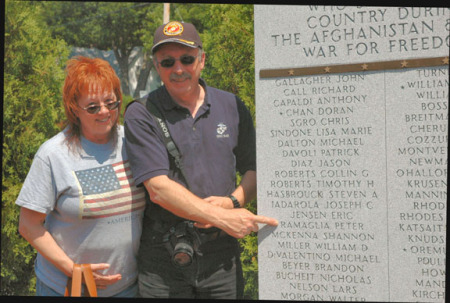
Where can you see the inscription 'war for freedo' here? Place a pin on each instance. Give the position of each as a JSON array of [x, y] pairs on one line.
[[338, 31]]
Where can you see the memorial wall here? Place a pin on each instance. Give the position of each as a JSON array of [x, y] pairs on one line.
[[352, 147]]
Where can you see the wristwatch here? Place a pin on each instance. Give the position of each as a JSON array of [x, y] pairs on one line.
[[235, 201]]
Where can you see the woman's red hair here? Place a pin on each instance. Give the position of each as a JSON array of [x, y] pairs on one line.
[[82, 75]]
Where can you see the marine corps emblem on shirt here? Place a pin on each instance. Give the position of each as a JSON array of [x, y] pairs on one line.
[[221, 129], [173, 28]]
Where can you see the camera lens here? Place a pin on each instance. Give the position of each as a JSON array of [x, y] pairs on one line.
[[182, 253]]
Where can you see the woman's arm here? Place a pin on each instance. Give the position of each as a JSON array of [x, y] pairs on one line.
[[31, 227]]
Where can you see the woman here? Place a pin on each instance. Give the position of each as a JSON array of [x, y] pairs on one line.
[[79, 203]]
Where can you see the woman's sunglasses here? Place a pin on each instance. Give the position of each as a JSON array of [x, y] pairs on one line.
[[184, 59], [93, 109]]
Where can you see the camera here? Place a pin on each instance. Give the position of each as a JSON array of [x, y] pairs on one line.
[[182, 242], [183, 252]]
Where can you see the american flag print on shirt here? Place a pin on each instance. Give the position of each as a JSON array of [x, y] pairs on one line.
[[108, 190]]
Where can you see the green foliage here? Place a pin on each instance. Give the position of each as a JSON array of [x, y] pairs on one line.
[[33, 75], [151, 21], [228, 42], [101, 25], [126, 100], [249, 260], [117, 26]]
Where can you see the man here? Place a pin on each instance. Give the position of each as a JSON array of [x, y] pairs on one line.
[[215, 136]]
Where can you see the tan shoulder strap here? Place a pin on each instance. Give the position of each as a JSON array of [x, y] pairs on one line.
[[89, 280], [73, 287], [81, 273]]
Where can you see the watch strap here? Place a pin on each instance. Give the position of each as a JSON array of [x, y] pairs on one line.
[[236, 203]]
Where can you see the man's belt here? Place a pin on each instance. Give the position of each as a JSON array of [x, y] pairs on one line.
[[158, 237]]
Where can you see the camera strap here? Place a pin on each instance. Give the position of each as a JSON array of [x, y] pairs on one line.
[[170, 145]]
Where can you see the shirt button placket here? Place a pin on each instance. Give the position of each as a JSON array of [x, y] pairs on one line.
[[195, 134]]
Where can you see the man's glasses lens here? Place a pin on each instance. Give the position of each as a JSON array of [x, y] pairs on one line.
[[96, 108], [185, 60]]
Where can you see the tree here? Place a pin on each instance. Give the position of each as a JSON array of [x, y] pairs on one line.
[[32, 107], [229, 45], [113, 26]]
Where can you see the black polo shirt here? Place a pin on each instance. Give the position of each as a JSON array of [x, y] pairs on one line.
[[219, 140]]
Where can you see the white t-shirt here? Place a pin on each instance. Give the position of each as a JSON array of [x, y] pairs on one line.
[[94, 210]]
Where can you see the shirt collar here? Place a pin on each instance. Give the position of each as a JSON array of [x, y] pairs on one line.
[[91, 150]]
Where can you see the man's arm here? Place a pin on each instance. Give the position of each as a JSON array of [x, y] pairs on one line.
[[181, 202], [246, 191]]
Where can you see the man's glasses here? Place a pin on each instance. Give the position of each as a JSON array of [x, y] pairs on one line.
[[184, 59], [93, 109]]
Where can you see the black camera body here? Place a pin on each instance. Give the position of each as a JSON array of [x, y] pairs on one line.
[[182, 242]]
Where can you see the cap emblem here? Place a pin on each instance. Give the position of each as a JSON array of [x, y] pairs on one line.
[[173, 28]]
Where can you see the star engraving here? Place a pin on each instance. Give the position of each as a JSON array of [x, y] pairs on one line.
[[404, 63], [445, 60], [365, 66], [291, 72], [327, 69]]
